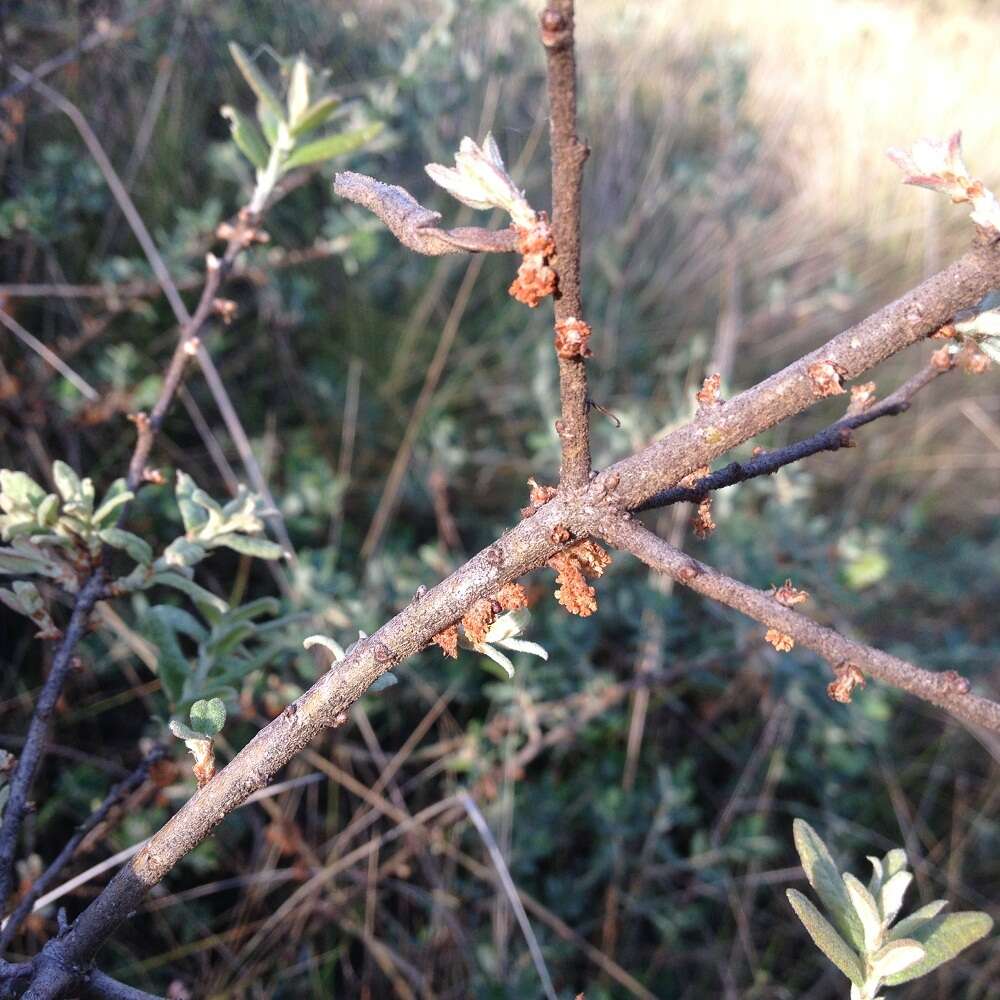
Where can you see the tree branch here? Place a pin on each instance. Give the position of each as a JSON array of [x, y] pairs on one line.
[[415, 226], [42, 883], [832, 438], [568, 155], [947, 690], [717, 429]]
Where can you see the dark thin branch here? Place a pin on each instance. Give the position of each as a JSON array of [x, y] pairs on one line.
[[568, 156], [41, 885], [100, 986], [945, 689], [832, 438], [718, 429], [34, 744]]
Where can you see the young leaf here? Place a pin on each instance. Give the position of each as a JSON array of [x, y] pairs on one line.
[[116, 496], [255, 78], [185, 586], [298, 90], [954, 934], [826, 938], [208, 717], [896, 957], [136, 547], [66, 480], [20, 489], [867, 911], [246, 137], [890, 897], [180, 620], [825, 879], [192, 514], [259, 548], [315, 115], [908, 926], [331, 146], [48, 511]]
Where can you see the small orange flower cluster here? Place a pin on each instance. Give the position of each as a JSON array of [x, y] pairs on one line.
[[862, 398], [708, 394], [535, 277], [572, 339], [849, 677], [703, 522], [478, 620], [788, 595], [826, 378], [574, 566], [781, 642]]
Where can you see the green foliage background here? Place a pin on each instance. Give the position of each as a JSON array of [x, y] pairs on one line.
[[896, 541]]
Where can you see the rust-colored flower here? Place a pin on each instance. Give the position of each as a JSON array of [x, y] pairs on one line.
[[862, 398], [573, 567], [708, 394], [943, 358], [702, 521], [536, 278], [826, 378], [781, 642], [572, 337], [447, 640], [512, 597], [972, 360], [848, 677], [790, 596]]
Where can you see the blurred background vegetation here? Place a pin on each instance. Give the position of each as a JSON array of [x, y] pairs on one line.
[[739, 210]]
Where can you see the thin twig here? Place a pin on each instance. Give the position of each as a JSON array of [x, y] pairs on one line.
[[118, 792], [832, 438], [503, 873], [945, 689], [568, 155], [49, 356], [34, 744]]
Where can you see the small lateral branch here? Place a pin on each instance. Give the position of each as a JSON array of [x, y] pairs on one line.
[[832, 438], [415, 226], [946, 689]]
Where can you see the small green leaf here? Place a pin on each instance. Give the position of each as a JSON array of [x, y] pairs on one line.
[[331, 146], [208, 717], [189, 587], [315, 115], [67, 481], [867, 910], [136, 547], [255, 79], [911, 924], [896, 957], [247, 138], [116, 496], [825, 879], [182, 552], [269, 123], [298, 89], [184, 732], [48, 511], [20, 488], [894, 861], [826, 938], [259, 548], [181, 621], [948, 937], [890, 896], [192, 514]]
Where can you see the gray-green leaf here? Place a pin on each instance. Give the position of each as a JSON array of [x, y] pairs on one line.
[[332, 145], [949, 936], [247, 137], [209, 716], [826, 938], [136, 547], [259, 548], [255, 78], [315, 115], [825, 879]]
